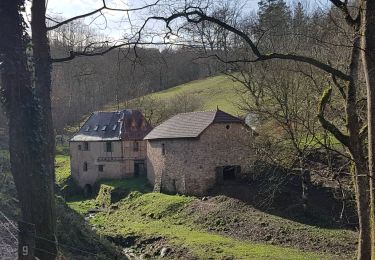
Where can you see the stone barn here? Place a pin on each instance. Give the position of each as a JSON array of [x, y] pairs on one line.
[[109, 145], [192, 152]]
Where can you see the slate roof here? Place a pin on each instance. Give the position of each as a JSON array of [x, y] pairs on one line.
[[190, 125], [126, 124]]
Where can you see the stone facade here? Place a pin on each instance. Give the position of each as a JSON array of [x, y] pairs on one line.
[[194, 165], [106, 160]]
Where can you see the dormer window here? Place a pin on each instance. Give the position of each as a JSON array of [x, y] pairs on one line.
[[87, 128], [96, 127], [114, 127], [104, 128]]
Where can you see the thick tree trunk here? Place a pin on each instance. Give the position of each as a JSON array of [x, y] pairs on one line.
[[368, 60], [44, 188], [356, 147], [30, 143], [362, 199]]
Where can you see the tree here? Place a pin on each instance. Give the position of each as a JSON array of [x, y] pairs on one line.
[[279, 99], [25, 82], [367, 24]]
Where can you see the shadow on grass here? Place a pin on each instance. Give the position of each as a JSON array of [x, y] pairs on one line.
[[76, 238], [325, 210]]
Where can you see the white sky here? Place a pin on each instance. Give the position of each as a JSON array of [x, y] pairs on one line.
[[110, 26], [117, 22]]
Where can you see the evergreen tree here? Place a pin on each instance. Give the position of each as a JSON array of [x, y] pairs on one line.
[[274, 16]]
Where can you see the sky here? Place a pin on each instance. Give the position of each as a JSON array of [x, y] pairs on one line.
[[115, 22]]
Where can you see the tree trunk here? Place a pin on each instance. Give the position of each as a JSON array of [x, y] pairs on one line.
[[356, 147], [368, 60], [30, 145], [360, 172], [306, 184], [44, 186]]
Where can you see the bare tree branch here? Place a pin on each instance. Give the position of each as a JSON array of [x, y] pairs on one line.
[[197, 16], [90, 51], [99, 10], [344, 139], [343, 6]]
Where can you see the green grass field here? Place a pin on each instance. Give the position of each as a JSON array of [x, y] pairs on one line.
[[219, 91]]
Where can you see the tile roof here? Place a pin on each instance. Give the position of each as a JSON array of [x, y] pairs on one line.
[[126, 124], [190, 125]]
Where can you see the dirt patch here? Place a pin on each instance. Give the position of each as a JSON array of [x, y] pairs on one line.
[[232, 217]]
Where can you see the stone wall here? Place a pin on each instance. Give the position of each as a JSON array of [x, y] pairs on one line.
[[189, 166], [116, 164]]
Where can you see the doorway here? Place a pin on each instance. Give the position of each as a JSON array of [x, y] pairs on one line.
[[229, 173], [139, 168]]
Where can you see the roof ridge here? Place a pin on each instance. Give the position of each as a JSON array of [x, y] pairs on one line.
[[200, 111]]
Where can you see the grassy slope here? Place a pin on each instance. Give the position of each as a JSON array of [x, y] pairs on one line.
[[215, 91], [153, 214]]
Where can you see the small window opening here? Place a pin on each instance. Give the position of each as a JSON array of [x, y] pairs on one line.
[[87, 128], [227, 126], [85, 166], [79, 147], [114, 127], [85, 146], [104, 128], [96, 127], [135, 146], [163, 149], [100, 167], [108, 146]]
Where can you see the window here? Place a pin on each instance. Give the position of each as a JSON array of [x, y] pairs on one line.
[[104, 128], [114, 127], [87, 128], [96, 128], [163, 149], [85, 167], [135, 146], [100, 167], [227, 126], [85, 146], [108, 147], [79, 147]]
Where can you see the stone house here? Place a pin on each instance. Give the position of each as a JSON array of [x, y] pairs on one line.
[[109, 145], [190, 153]]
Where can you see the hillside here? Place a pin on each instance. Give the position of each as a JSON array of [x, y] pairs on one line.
[[219, 91], [146, 224]]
